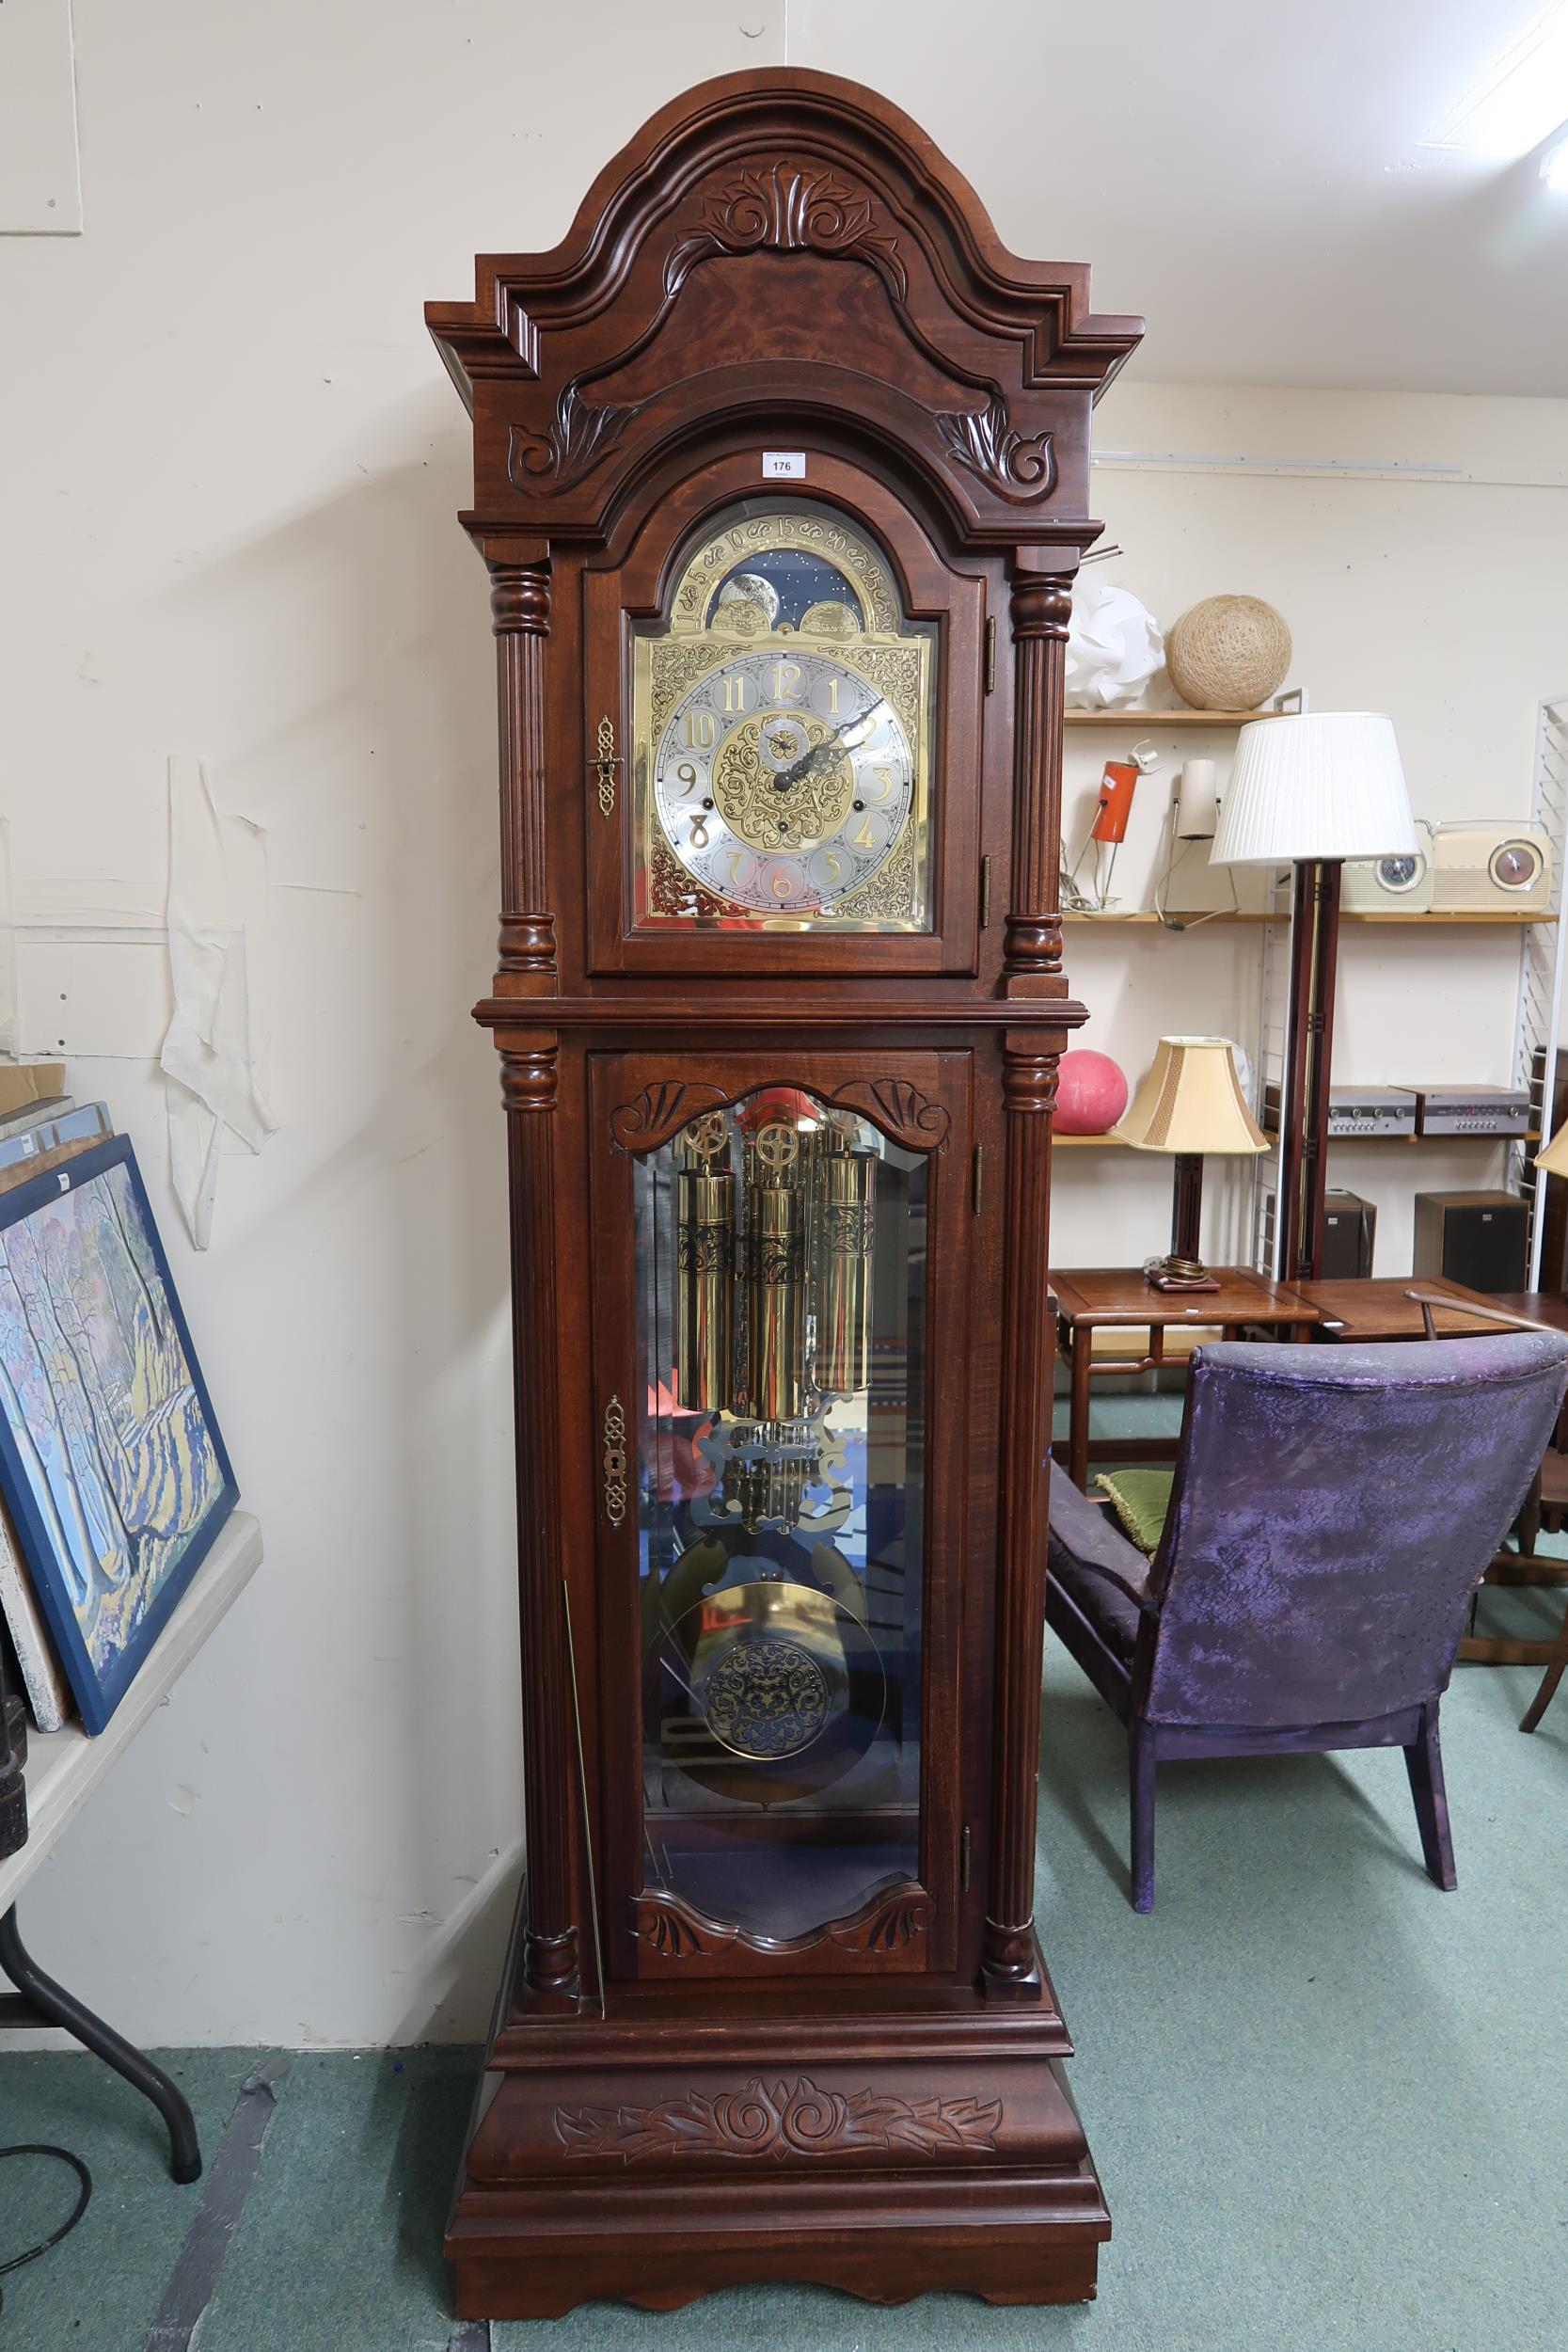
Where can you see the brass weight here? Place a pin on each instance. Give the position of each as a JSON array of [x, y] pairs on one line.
[[843, 1338], [778, 1251], [705, 1247]]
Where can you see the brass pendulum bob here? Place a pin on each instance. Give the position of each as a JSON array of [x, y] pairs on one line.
[[778, 1282], [844, 1337], [705, 1251]]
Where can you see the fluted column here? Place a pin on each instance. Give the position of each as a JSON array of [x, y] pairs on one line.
[[520, 616], [1029, 1065], [550, 1937], [1032, 944]]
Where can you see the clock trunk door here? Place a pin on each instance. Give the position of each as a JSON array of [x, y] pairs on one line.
[[782, 1254]]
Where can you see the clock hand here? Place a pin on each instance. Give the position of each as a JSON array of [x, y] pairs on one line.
[[852, 733]]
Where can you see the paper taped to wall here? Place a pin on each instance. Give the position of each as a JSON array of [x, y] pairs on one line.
[[209, 1061]]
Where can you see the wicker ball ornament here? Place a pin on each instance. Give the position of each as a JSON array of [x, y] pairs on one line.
[[1228, 653]]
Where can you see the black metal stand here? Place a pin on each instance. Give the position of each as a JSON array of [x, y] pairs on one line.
[[40, 2001]]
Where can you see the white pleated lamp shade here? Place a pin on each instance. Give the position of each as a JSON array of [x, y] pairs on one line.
[[1325, 785], [1191, 1101]]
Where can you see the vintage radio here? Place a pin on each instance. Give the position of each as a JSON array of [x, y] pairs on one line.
[[1461, 1110], [1478, 1238], [1356, 1110], [1493, 864], [1397, 884]]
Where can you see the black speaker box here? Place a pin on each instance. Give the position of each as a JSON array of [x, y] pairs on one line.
[[1478, 1238], [1350, 1234]]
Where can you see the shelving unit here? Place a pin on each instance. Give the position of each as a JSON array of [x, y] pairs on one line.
[[1506, 918], [1100, 1143], [1168, 718]]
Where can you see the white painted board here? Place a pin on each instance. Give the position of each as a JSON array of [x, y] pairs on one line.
[[63, 1767], [41, 182]]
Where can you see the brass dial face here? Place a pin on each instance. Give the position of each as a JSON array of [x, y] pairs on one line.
[[782, 724], [783, 782]]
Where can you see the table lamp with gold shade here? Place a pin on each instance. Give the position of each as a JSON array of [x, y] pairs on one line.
[[1190, 1103]]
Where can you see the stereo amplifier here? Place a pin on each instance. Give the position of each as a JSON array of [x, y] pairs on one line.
[[1461, 1110]]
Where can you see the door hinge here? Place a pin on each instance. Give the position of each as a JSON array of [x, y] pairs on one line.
[[985, 893], [977, 1180], [963, 1857], [991, 657]]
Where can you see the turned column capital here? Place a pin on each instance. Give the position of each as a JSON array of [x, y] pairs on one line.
[[529, 1073], [1041, 604], [519, 599]]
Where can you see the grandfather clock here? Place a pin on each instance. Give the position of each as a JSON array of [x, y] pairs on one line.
[[781, 469]]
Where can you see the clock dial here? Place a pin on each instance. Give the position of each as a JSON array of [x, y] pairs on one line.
[[784, 783], [781, 726], [1515, 864]]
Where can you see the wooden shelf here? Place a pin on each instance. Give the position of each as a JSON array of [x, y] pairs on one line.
[[1506, 917], [1146, 719], [1099, 1143]]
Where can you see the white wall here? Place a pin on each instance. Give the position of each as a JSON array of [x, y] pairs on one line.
[[231, 534]]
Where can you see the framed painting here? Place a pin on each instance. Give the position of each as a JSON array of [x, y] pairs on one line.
[[111, 1464]]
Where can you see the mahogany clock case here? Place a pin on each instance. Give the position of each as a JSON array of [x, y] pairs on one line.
[[675, 2099]]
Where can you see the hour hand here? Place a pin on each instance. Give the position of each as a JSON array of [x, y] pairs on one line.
[[845, 737]]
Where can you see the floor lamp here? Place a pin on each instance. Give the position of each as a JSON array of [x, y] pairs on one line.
[[1309, 792]]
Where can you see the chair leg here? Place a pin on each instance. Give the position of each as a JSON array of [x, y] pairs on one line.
[[1423, 1761], [1140, 1774], [1549, 1681]]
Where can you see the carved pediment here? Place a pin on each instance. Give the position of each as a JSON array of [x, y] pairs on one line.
[[582, 368]]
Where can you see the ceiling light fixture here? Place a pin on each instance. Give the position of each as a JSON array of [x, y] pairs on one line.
[[1517, 101]]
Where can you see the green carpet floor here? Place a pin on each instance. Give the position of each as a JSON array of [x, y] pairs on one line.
[[1328, 2103]]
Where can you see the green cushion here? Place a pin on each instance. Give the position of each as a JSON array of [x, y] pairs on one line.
[[1140, 1499]]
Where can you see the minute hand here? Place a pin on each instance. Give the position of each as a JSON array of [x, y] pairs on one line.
[[853, 732]]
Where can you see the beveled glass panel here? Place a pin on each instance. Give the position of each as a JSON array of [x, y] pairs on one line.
[[780, 1256]]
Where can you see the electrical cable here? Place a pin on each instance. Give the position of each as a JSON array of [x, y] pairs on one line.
[[60, 2156]]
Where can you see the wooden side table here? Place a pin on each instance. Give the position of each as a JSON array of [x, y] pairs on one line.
[[63, 1767], [1364, 1312], [1088, 1299]]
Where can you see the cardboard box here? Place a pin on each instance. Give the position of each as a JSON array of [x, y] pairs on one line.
[[24, 1082]]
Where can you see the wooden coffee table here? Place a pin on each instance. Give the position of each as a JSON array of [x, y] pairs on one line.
[[1089, 1298]]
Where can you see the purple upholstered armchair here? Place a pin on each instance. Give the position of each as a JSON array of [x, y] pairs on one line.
[[1332, 1512]]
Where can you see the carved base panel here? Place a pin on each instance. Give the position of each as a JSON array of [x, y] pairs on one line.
[[887, 2173]]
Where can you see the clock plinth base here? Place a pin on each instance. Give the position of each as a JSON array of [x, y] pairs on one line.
[[902, 2142], [1001, 2252]]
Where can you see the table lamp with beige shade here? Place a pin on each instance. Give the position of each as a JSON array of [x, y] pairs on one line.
[[1190, 1103]]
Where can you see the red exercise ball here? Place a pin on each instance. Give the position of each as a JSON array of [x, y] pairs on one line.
[[1091, 1093]]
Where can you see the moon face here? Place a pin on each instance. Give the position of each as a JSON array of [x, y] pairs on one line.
[[751, 588]]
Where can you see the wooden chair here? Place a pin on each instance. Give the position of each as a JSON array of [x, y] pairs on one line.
[[1332, 1512], [1544, 1505]]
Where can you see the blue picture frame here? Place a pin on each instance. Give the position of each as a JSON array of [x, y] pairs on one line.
[[111, 1462]]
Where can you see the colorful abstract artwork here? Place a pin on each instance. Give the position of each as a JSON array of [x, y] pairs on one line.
[[110, 1460]]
